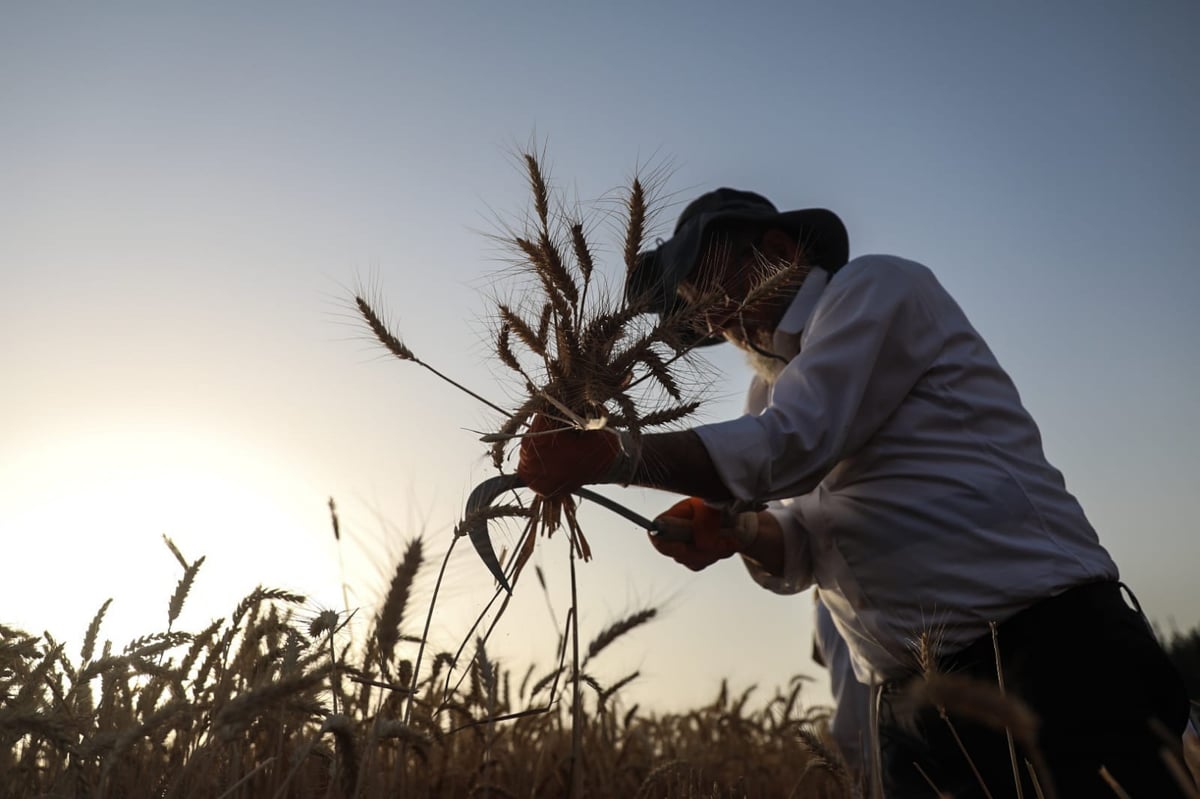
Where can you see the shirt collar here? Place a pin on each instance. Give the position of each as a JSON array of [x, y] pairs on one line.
[[787, 332]]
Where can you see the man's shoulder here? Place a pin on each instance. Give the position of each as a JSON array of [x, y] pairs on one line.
[[887, 275], [882, 266]]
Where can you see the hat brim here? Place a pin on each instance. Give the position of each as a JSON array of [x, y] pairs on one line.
[[820, 233]]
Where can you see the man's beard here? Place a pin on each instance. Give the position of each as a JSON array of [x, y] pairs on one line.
[[767, 365], [757, 346]]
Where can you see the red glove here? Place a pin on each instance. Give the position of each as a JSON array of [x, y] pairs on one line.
[[559, 462], [696, 534]]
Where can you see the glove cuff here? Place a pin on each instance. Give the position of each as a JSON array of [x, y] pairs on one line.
[[745, 529]]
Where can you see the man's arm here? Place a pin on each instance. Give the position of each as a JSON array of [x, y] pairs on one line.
[[869, 342], [679, 462], [767, 551]]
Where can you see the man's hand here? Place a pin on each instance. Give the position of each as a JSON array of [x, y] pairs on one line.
[[698, 535], [556, 460]]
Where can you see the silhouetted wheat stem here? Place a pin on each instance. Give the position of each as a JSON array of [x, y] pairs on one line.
[[437, 587], [1008, 736], [397, 347], [577, 717]]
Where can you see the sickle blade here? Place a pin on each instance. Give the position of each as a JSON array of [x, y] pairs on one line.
[[486, 493], [641, 521], [482, 497]]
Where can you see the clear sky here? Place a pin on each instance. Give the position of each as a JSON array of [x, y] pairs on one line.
[[190, 193]]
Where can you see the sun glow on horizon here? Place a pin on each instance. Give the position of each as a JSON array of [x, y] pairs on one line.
[[85, 519]]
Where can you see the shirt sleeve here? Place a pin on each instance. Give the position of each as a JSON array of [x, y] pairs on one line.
[[870, 339], [797, 557]]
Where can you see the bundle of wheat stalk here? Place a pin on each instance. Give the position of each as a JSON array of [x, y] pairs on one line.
[[584, 356]]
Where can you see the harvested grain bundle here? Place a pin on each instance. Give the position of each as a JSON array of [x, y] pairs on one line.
[[584, 357]]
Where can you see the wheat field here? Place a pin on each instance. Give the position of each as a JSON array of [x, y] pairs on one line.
[[274, 701]]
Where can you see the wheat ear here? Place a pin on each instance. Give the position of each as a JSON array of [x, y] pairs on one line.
[[391, 615], [397, 347], [93, 630], [616, 630]]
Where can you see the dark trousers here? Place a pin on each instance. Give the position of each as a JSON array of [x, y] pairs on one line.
[[1091, 669]]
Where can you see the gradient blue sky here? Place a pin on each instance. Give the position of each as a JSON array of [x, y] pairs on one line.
[[191, 193]]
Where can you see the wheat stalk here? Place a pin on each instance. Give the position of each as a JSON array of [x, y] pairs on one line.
[[89, 638], [1008, 736], [391, 615], [394, 345], [181, 591], [243, 708], [614, 631]]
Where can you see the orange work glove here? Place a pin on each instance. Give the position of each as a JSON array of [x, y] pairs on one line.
[[559, 462], [698, 535]]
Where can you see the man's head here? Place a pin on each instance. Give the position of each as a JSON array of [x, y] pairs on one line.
[[735, 259], [726, 240]]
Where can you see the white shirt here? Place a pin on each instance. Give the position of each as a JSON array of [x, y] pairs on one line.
[[911, 482]]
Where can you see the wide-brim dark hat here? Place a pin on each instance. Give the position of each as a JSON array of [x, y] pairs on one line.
[[820, 233]]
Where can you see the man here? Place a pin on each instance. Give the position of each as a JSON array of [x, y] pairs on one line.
[[907, 481]]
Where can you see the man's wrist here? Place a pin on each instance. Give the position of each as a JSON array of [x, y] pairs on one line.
[[628, 457], [745, 529], [767, 550]]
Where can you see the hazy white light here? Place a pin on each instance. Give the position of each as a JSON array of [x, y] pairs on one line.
[[86, 519]]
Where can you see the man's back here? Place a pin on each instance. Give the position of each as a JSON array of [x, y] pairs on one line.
[[933, 471]]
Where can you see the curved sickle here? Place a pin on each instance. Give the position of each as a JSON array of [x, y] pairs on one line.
[[484, 494]]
